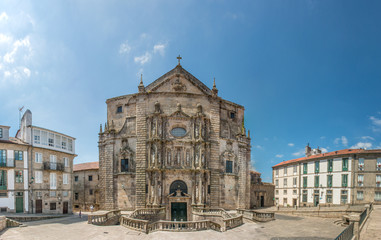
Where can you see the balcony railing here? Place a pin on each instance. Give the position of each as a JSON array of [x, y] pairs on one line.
[[10, 162], [53, 166]]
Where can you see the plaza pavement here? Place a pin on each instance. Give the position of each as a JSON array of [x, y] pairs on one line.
[[73, 227], [372, 227]]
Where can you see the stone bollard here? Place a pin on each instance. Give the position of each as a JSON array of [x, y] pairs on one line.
[[355, 219]]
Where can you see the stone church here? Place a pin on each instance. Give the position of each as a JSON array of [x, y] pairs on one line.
[[174, 144]]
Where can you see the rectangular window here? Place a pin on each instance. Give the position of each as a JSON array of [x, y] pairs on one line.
[[304, 168], [90, 178], [377, 196], [360, 180], [345, 164], [294, 181], [76, 178], [124, 165], [70, 145], [285, 182], [53, 162], [378, 164], [65, 178], [295, 169], [317, 166], [52, 193], [38, 176], [76, 196], [64, 143], [229, 166], [344, 196], [66, 161], [58, 141], [119, 109], [304, 182], [3, 158], [285, 192], [18, 176], [3, 180], [361, 164], [91, 192], [329, 196], [38, 157], [51, 140], [18, 155], [316, 181], [53, 181], [295, 192], [378, 180], [330, 165], [276, 192], [304, 196], [232, 115], [360, 195], [44, 138], [344, 180], [276, 183], [285, 171], [276, 172], [52, 206], [329, 181], [1, 133], [65, 193], [36, 136]]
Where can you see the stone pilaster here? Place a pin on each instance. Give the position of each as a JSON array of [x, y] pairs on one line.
[[242, 179], [106, 175], [215, 187], [141, 151]]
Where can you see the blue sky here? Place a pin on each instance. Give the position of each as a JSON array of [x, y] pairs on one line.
[[306, 71]]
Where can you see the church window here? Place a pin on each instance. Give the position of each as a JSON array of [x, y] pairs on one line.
[[119, 109], [90, 178], [232, 115], [229, 166], [178, 132], [178, 185], [124, 165]]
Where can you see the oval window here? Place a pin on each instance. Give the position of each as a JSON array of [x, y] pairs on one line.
[[178, 132]]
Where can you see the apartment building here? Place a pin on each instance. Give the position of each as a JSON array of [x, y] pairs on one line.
[[340, 177], [85, 187]]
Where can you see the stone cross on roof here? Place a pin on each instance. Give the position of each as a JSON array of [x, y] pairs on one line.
[[179, 58]]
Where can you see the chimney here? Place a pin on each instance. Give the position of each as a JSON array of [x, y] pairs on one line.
[[308, 150]]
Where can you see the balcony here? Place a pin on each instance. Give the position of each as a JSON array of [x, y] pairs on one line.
[[53, 166], [10, 162]]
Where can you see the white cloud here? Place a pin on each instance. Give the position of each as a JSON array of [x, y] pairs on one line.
[[279, 155], [324, 150], [27, 72], [259, 147], [7, 74], [143, 58], [291, 144], [5, 39], [299, 153], [343, 140], [322, 137], [18, 47], [159, 48], [367, 138], [376, 124], [365, 145], [3, 16], [124, 48]]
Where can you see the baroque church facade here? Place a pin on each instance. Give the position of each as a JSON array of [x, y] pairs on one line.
[[174, 144]]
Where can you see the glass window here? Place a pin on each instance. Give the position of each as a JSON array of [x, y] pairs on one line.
[[76, 196], [37, 138], [295, 181], [65, 178], [377, 196], [360, 180], [276, 172], [345, 164], [90, 178], [51, 140], [316, 181], [3, 158], [70, 145], [18, 176], [52, 206], [304, 182], [76, 178], [229, 166], [66, 161], [38, 176], [178, 132], [276, 183], [52, 193], [378, 180], [44, 138], [295, 169], [285, 182], [304, 197], [65, 193], [276, 192], [58, 141], [90, 191], [378, 164], [344, 180], [360, 195], [18, 155], [38, 157], [305, 168], [1, 133], [124, 165], [329, 180], [295, 192], [361, 163], [53, 181], [232, 115], [119, 109], [3, 180], [329, 196], [330, 165], [285, 171], [285, 192], [317, 166]]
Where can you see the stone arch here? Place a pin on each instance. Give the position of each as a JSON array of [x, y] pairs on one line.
[[178, 185]]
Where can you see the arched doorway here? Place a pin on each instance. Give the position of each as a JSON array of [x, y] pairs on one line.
[[179, 190]]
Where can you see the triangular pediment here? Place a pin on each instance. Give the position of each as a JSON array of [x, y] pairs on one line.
[[178, 80]]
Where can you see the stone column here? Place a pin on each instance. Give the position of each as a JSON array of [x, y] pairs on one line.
[[242, 176], [215, 187], [141, 151]]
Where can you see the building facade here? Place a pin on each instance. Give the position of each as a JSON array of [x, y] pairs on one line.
[[38, 167], [349, 176], [261, 193], [85, 186], [176, 144]]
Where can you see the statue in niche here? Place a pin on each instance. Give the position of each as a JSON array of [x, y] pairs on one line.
[[188, 158], [153, 128], [197, 156], [196, 130], [178, 157], [153, 153], [203, 131], [169, 157], [157, 107], [202, 158], [158, 157], [199, 108]]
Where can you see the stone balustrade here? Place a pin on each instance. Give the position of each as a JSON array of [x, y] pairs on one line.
[[104, 218], [188, 226], [232, 222], [211, 212], [135, 224], [256, 215], [147, 211]]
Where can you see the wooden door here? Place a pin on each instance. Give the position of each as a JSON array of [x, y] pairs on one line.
[[65, 207], [179, 211], [19, 204], [38, 206]]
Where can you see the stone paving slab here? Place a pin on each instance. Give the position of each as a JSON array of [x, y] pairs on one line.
[[372, 227], [73, 227]]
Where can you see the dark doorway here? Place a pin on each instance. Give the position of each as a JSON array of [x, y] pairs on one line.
[[179, 211], [39, 206], [316, 200], [262, 201], [65, 207], [294, 202]]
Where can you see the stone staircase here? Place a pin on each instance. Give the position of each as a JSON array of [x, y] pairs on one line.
[[14, 223]]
